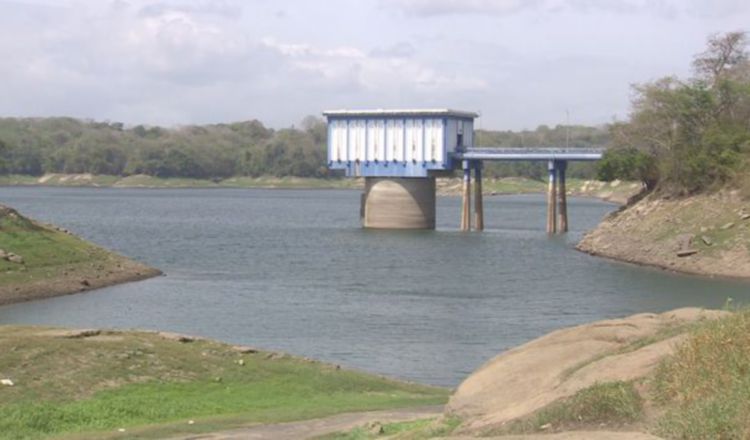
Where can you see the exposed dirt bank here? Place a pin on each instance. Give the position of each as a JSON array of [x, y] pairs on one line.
[[616, 191], [703, 235], [76, 278]]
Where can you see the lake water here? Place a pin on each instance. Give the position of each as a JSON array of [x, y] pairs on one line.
[[292, 271]]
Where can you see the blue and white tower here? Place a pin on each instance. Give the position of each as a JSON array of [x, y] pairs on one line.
[[399, 153]]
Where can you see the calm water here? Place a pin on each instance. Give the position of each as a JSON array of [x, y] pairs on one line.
[[292, 270]]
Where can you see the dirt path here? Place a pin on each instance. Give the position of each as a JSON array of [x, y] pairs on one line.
[[312, 428], [573, 435]]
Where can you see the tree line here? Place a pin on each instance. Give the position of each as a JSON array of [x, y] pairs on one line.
[[35, 146]]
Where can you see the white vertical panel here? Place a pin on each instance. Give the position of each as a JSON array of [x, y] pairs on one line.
[[371, 144], [390, 139], [427, 140], [418, 140], [437, 139], [362, 140], [351, 150], [398, 141], [338, 131], [410, 147], [357, 145], [380, 140]]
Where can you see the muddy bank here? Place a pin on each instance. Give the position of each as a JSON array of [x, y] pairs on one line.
[[78, 278]]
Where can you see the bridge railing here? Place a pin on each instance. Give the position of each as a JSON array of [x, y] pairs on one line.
[[530, 153]]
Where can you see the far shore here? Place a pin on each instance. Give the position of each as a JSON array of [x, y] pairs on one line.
[[615, 192]]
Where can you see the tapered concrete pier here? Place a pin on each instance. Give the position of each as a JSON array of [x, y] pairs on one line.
[[399, 203]]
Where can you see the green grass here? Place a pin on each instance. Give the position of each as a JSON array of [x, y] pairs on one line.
[[610, 404], [413, 430], [45, 251], [704, 388], [116, 380]]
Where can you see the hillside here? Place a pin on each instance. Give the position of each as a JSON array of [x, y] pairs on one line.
[[707, 234], [39, 261]]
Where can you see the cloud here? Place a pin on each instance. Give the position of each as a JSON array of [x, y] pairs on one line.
[[199, 61], [220, 8], [661, 8], [398, 50], [181, 62]]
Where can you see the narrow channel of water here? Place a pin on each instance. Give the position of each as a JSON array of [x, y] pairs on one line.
[[291, 270]]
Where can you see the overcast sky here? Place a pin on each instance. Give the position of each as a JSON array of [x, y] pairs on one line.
[[521, 63]]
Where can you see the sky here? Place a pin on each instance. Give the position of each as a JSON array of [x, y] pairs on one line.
[[519, 63]]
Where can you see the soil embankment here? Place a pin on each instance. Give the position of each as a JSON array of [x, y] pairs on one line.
[[706, 234], [41, 261]]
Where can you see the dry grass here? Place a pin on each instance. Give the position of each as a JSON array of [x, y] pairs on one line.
[[602, 405], [705, 387]]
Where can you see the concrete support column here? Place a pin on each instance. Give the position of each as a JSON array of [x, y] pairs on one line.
[[562, 198], [552, 199], [466, 201], [478, 202], [399, 203]]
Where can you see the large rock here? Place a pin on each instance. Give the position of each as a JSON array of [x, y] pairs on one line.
[[527, 378]]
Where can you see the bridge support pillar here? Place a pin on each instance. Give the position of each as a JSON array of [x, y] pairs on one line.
[[398, 203], [562, 198], [552, 198], [478, 202], [466, 199]]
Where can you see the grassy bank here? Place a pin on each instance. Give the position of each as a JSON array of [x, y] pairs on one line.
[[41, 261], [95, 383]]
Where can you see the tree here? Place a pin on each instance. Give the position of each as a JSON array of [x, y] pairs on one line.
[[724, 52], [688, 136], [3, 159]]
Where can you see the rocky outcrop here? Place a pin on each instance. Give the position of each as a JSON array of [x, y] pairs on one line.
[[525, 379]]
